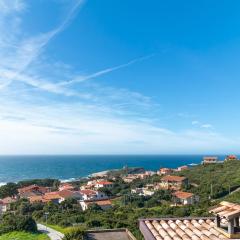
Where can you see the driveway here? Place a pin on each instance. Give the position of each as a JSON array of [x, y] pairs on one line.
[[52, 234]]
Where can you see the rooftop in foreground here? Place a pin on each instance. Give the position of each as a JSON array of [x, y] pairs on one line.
[[180, 229], [114, 234], [225, 225]]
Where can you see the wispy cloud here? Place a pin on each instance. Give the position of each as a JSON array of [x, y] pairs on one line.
[[202, 125], [28, 49], [7, 6], [47, 112]]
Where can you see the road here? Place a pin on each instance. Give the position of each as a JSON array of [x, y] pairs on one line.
[[52, 234]]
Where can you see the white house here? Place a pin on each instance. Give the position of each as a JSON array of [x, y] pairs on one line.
[[104, 184], [91, 195], [103, 204], [185, 198]]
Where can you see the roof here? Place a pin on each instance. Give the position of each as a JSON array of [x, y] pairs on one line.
[[66, 186], [30, 194], [226, 210], [52, 196], [8, 200], [66, 194], [104, 183], [36, 199], [166, 169], [28, 188], [210, 158], [88, 192], [180, 229], [100, 203], [32, 188], [113, 234], [231, 157], [173, 178], [182, 195]]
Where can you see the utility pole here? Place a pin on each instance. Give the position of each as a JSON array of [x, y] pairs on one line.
[[211, 191]]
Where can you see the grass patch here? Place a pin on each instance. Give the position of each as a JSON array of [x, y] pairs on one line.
[[23, 236], [58, 228]]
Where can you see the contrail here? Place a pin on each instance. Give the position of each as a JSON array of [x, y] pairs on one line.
[[103, 72]]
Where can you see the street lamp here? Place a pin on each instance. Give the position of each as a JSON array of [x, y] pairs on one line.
[[46, 217]]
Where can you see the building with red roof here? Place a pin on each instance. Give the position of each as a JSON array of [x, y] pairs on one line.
[[184, 198], [231, 157], [91, 195], [173, 182]]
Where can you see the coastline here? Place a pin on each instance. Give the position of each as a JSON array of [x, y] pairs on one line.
[[69, 168]]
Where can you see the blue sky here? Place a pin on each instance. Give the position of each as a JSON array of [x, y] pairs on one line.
[[119, 77]]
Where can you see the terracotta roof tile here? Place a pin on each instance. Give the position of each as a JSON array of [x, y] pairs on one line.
[[182, 195], [104, 183], [173, 178], [226, 210], [181, 229]]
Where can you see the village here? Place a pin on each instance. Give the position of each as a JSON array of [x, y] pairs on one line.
[[94, 191], [130, 188]]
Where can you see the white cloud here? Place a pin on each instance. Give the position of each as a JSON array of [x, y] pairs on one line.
[[206, 125], [195, 123], [44, 113], [9, 6]]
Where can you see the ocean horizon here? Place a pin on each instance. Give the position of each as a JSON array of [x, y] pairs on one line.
[[69, 167]]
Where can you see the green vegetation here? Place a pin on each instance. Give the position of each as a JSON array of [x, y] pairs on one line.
[[13, 222], [58, 228], [23, 236], [214, 180], [211, 182], [75, 234]]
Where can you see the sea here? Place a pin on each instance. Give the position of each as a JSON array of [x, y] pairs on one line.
[[67, 168]]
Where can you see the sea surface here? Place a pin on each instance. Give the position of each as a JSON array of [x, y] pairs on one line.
[[16, 168]]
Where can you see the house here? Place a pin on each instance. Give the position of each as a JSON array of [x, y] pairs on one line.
[[184, 198], [182, 168], [144, 175], [32, 190], [142, 191], [56, 197], [67, 194], [5, 204], [129, 178], [231, 157], [3, 207], [66, 186], [48, 197], [173, 182], [103, 204], [209, 160], [165, 171], [39, 198], [91, 195], [104, 184], [224, 226]]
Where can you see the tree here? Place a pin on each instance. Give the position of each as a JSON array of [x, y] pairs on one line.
[[8, 190], [75, 234]]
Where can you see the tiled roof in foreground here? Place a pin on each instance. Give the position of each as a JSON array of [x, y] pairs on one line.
[[180, 229], [226, 210]]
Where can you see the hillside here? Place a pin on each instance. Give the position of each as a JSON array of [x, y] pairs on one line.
[[215, 180]]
